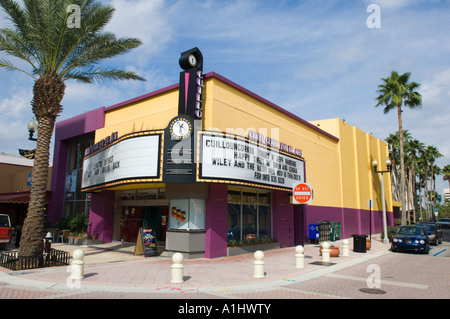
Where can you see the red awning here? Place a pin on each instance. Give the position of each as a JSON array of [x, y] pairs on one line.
[[19, 198]]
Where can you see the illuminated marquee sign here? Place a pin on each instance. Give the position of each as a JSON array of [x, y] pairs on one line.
[[235, 159], [134, 158]]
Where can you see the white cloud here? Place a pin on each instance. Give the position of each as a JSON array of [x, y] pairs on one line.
[[145, 20], [17, 105]]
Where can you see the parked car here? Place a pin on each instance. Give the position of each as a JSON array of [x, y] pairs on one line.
[[434, 232], [411, 238], [445, 222], [5, 230]]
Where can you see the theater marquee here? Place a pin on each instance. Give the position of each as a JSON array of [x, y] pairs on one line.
[[237, 160], [134, 158]]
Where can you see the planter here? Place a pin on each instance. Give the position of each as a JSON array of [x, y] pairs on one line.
[[84, 241], [334, 251], [235, 251]]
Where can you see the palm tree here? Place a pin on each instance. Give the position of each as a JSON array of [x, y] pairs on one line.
[[446, 173], [54, 51], [433, 154], [414, 147], [392, 140], [395, 92]]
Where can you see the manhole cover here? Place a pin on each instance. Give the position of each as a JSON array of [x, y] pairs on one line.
[[372, 291]]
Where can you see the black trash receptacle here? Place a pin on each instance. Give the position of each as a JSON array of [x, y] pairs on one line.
[[359, 243]]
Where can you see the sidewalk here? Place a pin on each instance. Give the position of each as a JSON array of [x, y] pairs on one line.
[[114, 268]]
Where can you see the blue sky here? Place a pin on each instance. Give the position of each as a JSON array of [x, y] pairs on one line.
[[318, 59]]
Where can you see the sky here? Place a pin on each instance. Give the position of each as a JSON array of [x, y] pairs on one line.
[[318, 59]]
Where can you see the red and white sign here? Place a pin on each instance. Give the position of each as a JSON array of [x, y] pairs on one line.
[[302, 194]]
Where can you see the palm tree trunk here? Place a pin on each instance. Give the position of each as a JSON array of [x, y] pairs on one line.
[[402, 165], [48, 92], [31, 242]]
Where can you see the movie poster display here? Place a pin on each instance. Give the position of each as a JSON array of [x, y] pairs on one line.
[[146, 243]]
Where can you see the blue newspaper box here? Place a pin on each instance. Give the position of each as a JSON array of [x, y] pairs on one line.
[[314, 231]]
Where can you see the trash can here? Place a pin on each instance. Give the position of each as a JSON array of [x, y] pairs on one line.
[[359, 243]]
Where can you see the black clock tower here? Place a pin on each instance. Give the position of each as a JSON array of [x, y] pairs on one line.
[[179, 141]]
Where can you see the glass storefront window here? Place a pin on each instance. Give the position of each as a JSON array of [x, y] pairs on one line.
[[249, 215], [187, 214], [75, 201]]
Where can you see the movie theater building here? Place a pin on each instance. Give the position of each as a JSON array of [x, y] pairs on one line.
[[206, 162]]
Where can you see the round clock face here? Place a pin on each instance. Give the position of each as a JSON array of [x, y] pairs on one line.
[[180, 128], [192, 60]]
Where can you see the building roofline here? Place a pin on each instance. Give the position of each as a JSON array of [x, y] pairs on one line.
[[232, 84]]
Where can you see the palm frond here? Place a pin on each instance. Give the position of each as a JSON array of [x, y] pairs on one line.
[[91, 74], [42, 38]]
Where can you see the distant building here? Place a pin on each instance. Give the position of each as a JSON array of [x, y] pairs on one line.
[[15, 177], [446, 194]]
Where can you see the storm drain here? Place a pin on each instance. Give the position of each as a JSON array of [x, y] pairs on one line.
[[372, 291]]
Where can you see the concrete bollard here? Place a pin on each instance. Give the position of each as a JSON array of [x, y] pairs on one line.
[[345, 248], [177, 268], [325, 252], [77, 270], [258, 265], [299, 257]]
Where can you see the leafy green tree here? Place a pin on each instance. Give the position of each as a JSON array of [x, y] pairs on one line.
[[46, 45], [396, 91]]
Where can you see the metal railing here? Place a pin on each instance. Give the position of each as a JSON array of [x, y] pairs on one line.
[[12, 260]]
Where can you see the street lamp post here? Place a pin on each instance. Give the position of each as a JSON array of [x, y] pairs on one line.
[[388, 169], [32, 127]]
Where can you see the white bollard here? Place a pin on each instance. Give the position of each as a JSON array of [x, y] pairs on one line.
[[299, 257], [345, 248], [325, 252], [258, 265], [77, 269], [177, 268]]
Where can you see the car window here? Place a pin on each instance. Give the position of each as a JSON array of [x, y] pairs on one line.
[[4, 221], [429, 227], [410, 231]]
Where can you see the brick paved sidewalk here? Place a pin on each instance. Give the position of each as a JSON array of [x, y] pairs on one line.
[[120, 270]]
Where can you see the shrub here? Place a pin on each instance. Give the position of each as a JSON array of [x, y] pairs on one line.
[[76, 224], [79, 223]]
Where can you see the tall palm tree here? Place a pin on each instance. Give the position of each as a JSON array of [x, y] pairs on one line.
[[446, 174], [415, 147], [54, 52], [395, 92], [392, 140], [433, 153]]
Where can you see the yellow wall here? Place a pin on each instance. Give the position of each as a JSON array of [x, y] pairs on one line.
[[150, 114], [229, 109], [357, 150]]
